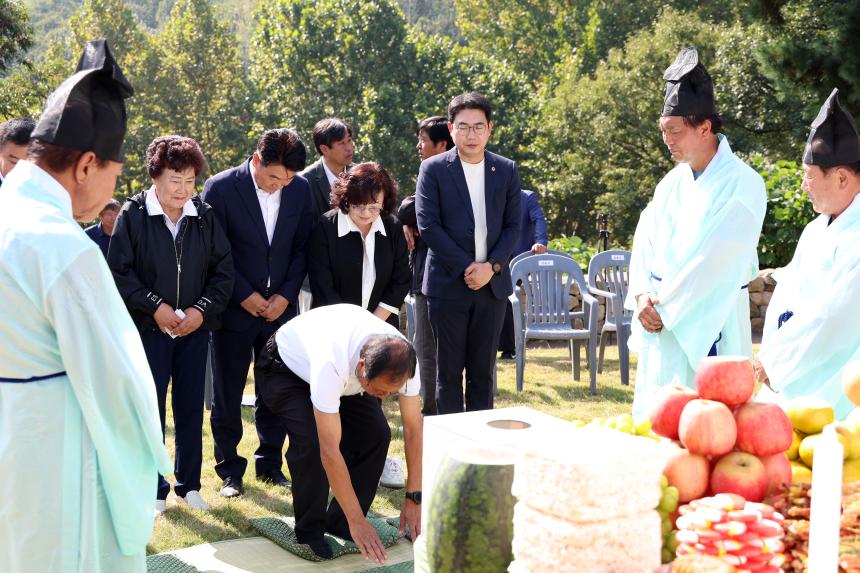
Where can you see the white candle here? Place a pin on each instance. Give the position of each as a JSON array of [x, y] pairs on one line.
[[826, 502]]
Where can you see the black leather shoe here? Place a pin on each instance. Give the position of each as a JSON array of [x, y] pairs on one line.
[[232, 487], [276, 478], [321, 548], [508, 355]]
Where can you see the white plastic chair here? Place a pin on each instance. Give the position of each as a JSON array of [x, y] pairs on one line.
[[608, 277]]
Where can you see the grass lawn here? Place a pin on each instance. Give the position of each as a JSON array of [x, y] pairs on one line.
[[549, 387]]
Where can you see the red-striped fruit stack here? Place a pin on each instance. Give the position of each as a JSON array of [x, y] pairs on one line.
[[744, 534]]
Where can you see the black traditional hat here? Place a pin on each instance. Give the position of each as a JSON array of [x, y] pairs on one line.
[[87, 111], [689, 89], [833, 139]]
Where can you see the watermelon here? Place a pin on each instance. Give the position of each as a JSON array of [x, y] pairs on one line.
[[470, 518]]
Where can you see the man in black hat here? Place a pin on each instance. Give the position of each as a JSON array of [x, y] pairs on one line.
[[694, 251], [810, 332], [80, 436]]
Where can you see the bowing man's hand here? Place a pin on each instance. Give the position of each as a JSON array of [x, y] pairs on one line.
[[761, 375], [367, 540], [410, 233], [410, 516], [648, 315]]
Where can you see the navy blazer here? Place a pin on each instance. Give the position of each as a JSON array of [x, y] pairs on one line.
[[447, 224], [278, 268]]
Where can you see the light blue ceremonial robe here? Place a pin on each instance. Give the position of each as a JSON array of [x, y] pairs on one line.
[[695, 249], [821, 290], [81, 445]]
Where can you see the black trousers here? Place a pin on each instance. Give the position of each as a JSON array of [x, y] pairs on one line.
[[466, 330], [233, 351], [506, 338], [364, 445], [183, 360]]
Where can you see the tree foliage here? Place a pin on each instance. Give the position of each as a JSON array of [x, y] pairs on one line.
[[16, 37]]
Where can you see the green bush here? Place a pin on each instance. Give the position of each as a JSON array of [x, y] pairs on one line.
[[574, 247], [788, 210]]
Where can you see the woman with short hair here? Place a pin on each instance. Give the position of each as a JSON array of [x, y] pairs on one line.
[[357, 252], [172, 265]]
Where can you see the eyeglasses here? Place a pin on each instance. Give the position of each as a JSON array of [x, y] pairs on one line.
[[371, 208], [465, 128]]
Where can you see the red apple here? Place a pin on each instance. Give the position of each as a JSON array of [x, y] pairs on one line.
[[726, 379], [763, 429], [707, 428], [689, 473], [740, 473], [666, 409], [778, 470]]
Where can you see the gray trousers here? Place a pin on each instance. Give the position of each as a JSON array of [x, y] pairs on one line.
[[425, 348]]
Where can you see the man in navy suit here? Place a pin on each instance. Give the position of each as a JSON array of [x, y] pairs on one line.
[[267, 212], [468, 205]]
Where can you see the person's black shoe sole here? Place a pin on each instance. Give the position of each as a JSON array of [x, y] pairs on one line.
[[508, 356], [321, 548]]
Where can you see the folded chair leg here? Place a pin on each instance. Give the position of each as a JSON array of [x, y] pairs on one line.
[[575, 359]]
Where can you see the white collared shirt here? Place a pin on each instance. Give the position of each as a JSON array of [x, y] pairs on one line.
[[475, 182], [153, 207], [330, 175], [322, 347], [346, 225], [270, 205]]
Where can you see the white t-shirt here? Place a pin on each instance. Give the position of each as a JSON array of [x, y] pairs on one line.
[[475, 181], [322, 347]]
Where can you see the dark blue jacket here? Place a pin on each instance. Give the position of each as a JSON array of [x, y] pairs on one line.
[[278, 268], [447, 225], [99, 237], [533, 229]]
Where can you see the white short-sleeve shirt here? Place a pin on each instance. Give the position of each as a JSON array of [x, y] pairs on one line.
[[322, 347]]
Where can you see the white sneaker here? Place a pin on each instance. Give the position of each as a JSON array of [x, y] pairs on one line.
[[194, 501], [160, 507], [392, 474]]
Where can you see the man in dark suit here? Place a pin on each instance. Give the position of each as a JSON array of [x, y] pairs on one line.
[[332, 139], [14, 138], [266, 211], [468, 203], [433, 139], [102, 231]]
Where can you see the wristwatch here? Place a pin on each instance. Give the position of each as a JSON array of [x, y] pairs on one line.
[[497, 266], [414, 496]]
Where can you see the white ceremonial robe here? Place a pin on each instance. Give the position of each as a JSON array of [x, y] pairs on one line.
[[81, 445], [695, 249], [821, 288]]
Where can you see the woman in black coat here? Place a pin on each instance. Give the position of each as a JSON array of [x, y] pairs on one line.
[[172, 266], [357, 253]]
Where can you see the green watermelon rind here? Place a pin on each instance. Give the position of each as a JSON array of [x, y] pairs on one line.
[[470, 518]]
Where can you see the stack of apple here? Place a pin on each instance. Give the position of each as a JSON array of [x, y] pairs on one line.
[[730, 444]]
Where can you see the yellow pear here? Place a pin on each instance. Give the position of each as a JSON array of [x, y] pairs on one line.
[[795, 445], [809, 414], [851, 471], [800, 473], [807, 447], [851, 434], [851, 381]]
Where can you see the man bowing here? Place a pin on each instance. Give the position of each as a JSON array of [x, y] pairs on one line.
[[694, 250]]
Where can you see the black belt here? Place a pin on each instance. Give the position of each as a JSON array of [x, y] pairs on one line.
[[32, 378]]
